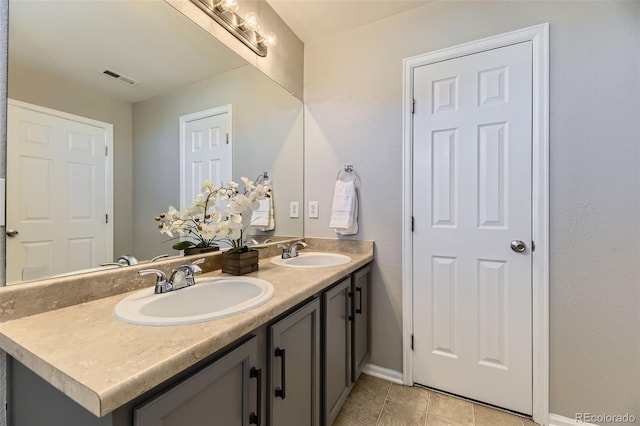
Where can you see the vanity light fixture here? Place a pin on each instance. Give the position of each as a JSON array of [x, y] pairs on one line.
[[246, 30]]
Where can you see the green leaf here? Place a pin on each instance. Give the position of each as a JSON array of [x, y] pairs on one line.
[[182, 245]]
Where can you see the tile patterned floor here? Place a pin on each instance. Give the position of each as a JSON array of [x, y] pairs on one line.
[[376, 402]]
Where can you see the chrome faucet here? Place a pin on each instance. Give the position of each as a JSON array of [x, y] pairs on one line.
[[254, 242], [182, 276], [120, 265], [162, 286], [160, 256], [124, 260], [289, 251], [127, 260]]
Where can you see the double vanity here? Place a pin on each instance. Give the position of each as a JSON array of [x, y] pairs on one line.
[[285, 349]]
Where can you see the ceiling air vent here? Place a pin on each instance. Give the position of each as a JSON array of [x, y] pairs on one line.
[[118, 76]]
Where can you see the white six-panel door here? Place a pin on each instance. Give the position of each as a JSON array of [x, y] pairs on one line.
[[206, 151], [57, 184], [471, 198]]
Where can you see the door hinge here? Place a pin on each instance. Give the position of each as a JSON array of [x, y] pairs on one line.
[[106, 151], [533, 246], [227, 138], [412, 342], [413, 105], [413, 223], [106, 218]]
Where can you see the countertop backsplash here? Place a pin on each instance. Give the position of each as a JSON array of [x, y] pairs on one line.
[[21, 300]]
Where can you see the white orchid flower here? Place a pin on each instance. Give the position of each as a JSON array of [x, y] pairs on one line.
[[193, 210], [235, 233], [248, 183], [166, 230], [208, 186], [205, 219], [172, 213], [208, 230], [223, 228]]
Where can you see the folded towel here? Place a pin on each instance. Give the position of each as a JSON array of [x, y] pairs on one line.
[[344, 212], [260, 216], [264, 217]]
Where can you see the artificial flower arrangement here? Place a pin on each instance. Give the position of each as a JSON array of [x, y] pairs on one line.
[[205, 224]]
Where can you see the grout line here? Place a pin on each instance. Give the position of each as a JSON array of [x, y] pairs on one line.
[[381, 410], [384, 402], [352, 418], [473, 414]]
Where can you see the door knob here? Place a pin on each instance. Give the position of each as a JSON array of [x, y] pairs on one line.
[[518, 246], [12, 233]]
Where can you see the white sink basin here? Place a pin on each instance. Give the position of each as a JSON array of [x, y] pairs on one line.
[[208, 299], [313, 260]]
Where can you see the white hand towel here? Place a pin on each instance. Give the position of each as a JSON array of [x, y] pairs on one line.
[[344, 212], [271, 225], [260, 216], [264, 216]]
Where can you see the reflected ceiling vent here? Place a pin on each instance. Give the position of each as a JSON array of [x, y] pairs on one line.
[[118, 76]]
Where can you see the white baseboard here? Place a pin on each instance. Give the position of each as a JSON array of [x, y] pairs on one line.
[[556, 420], [383, 373]]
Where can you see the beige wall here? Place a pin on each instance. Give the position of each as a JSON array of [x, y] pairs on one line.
[[267, 136], [33, 86], [353, 100]]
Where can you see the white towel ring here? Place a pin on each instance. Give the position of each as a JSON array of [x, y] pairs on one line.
[[349, 171]]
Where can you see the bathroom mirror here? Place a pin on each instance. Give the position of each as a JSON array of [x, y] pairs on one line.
[[58, 52]]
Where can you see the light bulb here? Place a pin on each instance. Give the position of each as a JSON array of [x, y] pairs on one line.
[[250, 22], [228, 5], [269, 39]]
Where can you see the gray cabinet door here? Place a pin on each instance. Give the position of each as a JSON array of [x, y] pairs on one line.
[[224, 394], [337, 348], [361, 320], [294, 368]]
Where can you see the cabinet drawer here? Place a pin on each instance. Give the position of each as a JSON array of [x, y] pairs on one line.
[[294, 368], [223, 393]]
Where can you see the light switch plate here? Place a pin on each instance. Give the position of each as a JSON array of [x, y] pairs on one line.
[[294, 209], [313, 209]]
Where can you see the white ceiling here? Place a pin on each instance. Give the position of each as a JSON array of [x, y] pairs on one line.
[[315, 19], [148, 41]]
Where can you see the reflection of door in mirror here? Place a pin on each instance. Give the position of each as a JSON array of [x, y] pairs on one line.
[[59, 188], [205, 150]]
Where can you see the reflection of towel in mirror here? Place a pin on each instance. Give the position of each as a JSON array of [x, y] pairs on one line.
[[264, 217], [344, 213]]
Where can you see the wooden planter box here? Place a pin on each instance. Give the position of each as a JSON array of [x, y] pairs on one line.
[[199, 250], [240, 263]]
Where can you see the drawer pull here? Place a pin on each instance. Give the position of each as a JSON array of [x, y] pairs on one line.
[[359, 291], [281, 392], [254, 418]]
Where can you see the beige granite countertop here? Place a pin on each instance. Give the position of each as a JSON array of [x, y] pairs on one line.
[[103, 363]]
